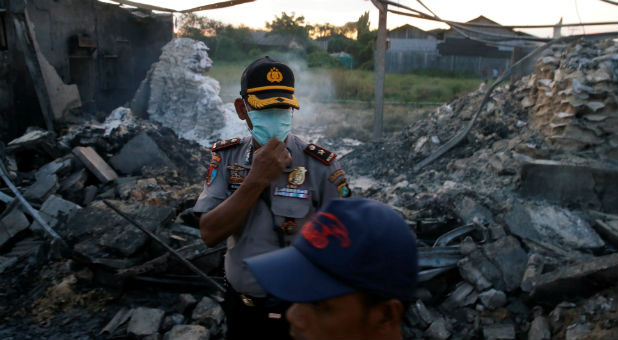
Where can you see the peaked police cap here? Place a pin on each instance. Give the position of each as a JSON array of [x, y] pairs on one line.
[[268, 83]]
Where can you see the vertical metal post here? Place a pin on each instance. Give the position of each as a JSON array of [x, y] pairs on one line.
[[379, 70]]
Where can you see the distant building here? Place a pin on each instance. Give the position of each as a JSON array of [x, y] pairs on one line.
[[412, 48]]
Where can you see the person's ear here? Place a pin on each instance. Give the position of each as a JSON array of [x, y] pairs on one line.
[[389, 317], [241, 110]]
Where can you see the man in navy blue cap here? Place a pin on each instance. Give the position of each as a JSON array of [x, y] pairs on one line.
[[351, 274]]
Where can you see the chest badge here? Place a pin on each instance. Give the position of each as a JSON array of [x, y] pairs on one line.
[[297, 176]]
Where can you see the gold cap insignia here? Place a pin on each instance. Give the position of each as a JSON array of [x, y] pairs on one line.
[[274, 75]]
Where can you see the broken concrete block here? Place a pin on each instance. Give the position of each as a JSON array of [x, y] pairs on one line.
[[492, 298], [578, 331], [6, 262], [185, 302], [145, 321], [534, 268], [138, 152], [510, 259], [208, 313], [119, 318], [124, 185], [539, 329], [95, 163], [171, 321], [503, 330], [473, 275], [608, 229], [424, 313], [98, 232], [58, 167], [154, 336], [12, 224], [33, 249], [90, 192], [438, 330], [583, 186], [31, 139], [74, 183], [479, 261], [53, 210], [42, 188], [553, 225], [471, 211], [463, 295], [569, 280], [187, 332]]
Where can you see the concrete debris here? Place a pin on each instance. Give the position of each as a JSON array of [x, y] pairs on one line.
[[552, 224], [140, 151], [11, 224], [438, 330], [145, 321], [492, 298], [209, 314], [504, 330], [179, 96], [89, 157], [44, 186], [570, 280], [187, 332], [185, 301], [589, 187], [539, 329]]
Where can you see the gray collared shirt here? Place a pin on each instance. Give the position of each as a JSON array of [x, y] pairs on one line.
[[284, 201]]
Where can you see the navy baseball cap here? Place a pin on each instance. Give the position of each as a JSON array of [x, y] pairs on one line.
[[350, 245], [267, 83]]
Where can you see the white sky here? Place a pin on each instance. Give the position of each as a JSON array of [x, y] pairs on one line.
[[338, 12]]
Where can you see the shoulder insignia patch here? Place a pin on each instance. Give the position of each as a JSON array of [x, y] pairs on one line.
[[224, 144], [321, 154]]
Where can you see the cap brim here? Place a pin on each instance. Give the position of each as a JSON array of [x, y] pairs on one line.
[[265, 100], [287, 274]]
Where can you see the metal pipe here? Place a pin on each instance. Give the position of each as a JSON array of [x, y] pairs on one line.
[[166, 246]]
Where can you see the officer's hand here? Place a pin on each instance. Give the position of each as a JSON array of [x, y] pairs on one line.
[[269, 161]]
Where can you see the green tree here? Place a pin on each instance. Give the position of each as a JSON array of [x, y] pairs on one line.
[[290, 27]]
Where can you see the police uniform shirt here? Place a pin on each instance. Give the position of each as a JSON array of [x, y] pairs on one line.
[[281, 202]]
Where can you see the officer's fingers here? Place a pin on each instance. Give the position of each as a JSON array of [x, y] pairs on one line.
[[272, 144]]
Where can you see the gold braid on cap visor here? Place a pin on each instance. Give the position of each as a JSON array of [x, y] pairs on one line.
[[258, 103]]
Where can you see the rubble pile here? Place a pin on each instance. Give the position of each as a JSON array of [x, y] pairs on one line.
[[518, 223], [148, 173], [177, 94], [574, 97]]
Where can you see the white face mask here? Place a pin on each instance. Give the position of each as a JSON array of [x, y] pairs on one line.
[[270, 123]]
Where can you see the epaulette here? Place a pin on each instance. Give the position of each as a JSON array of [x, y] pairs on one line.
[[224, 144], [321, 154]]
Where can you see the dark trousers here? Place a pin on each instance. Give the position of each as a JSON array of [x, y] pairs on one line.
[[253, 322]]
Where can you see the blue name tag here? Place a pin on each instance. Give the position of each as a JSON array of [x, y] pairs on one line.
[[289, 192]]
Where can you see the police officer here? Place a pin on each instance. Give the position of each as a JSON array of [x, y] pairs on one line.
[[259, 190], [352, 273]]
